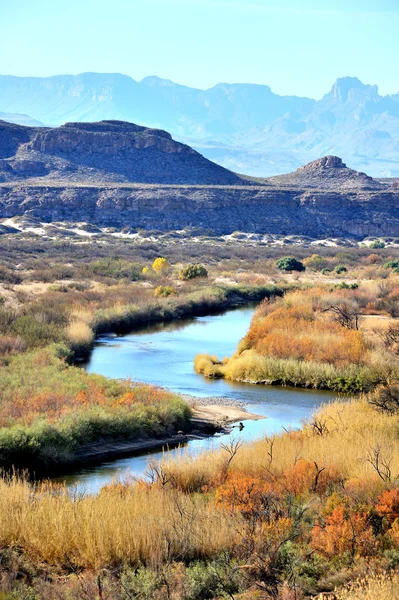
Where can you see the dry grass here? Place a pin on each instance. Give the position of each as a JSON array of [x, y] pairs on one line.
[[375, 587], [80, 336], [310, 338], [350, 432], [137, 524]]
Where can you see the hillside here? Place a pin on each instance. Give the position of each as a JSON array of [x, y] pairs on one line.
[[244, 127], [108, 151]]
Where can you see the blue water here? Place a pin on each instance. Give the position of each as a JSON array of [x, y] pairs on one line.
[[163, 355]]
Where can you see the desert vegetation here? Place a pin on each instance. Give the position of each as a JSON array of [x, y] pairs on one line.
[[313, 338], [49, 410], [308, 512], [290, 516]]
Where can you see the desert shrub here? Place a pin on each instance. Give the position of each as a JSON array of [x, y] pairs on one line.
[[115, 268], [11, 345], [164, 291], [391, 264], [9, 276], [340, 269], [192, 271], [34, 333], [347, 286], [344, 532], [289, 263], [372, 259], [315, 262], [160, 264], [385, 398], [377, 244], [388, 505], [325, 271]]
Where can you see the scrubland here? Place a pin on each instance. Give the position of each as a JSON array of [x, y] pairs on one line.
[[308, 512], [289, 516], [318, 338]]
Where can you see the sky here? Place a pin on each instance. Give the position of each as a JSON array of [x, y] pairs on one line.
[[295, 46]]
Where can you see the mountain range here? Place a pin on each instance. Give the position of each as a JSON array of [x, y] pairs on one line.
[[244, 127]]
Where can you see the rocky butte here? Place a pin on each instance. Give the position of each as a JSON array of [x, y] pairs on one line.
[[115, 173]]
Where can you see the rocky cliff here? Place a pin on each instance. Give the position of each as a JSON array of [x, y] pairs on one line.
[[222, 209], [106, 151], [117, 174]]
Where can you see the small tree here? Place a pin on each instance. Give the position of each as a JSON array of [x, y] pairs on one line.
[[377, 244], [192, 271], [164, 291], [340, 269], [346, 312], [160, 264], [289, 263]]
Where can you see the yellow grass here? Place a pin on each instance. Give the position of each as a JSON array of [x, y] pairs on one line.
[[353, 431], [376, 587], [79, 332], [123, 523]]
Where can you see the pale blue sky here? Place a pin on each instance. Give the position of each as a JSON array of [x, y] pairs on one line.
[[297, 47]]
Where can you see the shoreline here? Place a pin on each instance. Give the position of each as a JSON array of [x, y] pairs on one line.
[[208, 418]]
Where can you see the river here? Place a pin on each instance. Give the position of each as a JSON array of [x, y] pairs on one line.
[[162, 354]]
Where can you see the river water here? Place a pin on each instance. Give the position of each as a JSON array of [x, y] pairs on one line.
[[162, 354]]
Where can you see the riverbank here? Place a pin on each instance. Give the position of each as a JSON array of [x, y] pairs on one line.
[[206, 420], [310, 339], [123, 319]]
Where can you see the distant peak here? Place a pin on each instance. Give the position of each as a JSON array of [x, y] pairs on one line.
[[326, 162], [343, 86], [155, 80]]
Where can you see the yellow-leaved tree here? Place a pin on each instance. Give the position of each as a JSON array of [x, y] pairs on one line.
[[160, 264]]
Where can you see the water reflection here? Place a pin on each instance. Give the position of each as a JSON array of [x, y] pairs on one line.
[[162, 354]]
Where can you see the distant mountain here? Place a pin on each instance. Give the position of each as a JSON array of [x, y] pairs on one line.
[[244, 127], [20, 119], [108, 151]]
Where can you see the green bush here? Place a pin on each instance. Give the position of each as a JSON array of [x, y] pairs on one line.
[[340, 269], [392, 264], [347, 286], [192, 271], [115, 268], [289, 263], [377, 244]]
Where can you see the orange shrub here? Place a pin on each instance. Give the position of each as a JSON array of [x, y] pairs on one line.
[[299, 332], [305, 476], [388, 505], [344, 532], [245, 494]]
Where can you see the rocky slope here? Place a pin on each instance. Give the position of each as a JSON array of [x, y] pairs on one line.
[[112, 151], [244, 127], [328, 172], [221, 209], [119, 174]]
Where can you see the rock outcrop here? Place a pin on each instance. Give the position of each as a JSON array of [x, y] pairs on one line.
[[113, 151], [221, 209], [328, 172], [116, 174]]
